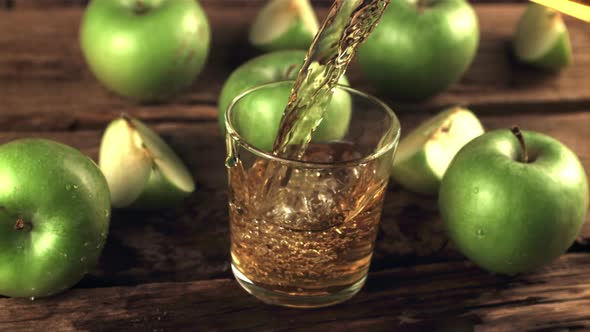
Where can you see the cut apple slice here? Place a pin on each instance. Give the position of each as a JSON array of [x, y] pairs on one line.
[[284, 24], [424, 154], [140, 168], [124, 162], [542, 39], [170, 181]]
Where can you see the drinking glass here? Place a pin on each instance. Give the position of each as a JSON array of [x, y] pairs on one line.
[[303, 231]]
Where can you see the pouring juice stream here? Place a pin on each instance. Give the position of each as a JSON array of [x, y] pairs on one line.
[[348, 24]]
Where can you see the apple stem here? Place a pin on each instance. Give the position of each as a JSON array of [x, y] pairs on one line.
[[423, 5], [516, 131], [447, 127], [22, 225], [290, 70], [139, 7], [127, 119]]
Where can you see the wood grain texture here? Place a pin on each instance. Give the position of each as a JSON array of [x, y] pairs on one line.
[[148, 277], [45, 84], [437, 297], [191, 241]]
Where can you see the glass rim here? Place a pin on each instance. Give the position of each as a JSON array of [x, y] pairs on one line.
[[231, 131]]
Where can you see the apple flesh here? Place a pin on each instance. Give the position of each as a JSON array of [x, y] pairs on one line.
[[260, 123], [420, 47], [146, 50], [141, 169], [54, 217], [508, 214]]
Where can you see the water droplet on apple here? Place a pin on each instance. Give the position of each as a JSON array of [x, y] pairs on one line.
[[65, 255], [82, 259], [86, 244], [75, 186], [107, 213], [32, 298], [68, 187], [480, 233], [476, 190]]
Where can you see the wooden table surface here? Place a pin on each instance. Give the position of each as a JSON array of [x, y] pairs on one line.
[[168, 270]]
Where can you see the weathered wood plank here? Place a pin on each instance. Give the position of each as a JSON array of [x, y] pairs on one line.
[[191, 241], [45, 84], [437, 297]]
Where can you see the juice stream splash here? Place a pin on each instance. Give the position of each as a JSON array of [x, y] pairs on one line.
[[348, 24]]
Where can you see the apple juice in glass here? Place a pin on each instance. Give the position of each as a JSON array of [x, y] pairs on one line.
[[308, 240], [305, 215]]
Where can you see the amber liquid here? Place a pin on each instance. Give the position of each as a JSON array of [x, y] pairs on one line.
[[317, 236]]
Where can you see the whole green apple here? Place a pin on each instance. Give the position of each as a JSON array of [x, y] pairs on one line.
[[54, 217], [145, 49], [420, 47], [513, 201], [259, 125]]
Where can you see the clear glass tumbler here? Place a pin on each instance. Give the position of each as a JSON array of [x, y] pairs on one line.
[[303, 231]]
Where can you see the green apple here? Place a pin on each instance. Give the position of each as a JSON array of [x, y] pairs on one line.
[[145, 49], [420, 47], [54, 217], [284, 25], [513, 201], [542, 39], [424, 155], [260, 124], [140, 168]]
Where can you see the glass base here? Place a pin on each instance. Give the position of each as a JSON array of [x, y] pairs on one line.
[[296, 301]]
